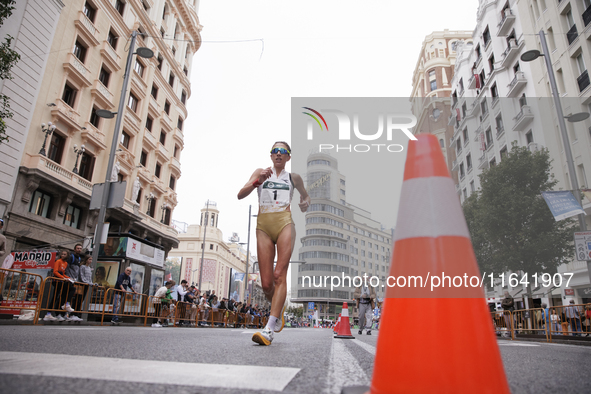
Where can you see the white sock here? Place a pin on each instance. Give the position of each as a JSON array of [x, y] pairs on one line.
[[271, 323]]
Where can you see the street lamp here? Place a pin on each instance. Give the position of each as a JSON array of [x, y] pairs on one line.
[[528, 57], [48, 131], [145, 53], [78, 153]]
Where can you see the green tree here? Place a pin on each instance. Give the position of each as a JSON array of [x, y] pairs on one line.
[[8, 59], [510, 224], [297, 311]]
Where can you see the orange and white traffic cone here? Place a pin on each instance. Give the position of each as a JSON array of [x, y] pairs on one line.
[[344, 331], [336, 326], [443, 336]]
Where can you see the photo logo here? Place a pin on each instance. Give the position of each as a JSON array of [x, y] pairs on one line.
[[388, 123]]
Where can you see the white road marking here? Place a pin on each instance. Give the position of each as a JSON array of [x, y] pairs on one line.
[[371, 349], [344, 370], [518, 344], [149, 371]]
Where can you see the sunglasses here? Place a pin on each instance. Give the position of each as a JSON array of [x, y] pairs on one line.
[[283, 151]]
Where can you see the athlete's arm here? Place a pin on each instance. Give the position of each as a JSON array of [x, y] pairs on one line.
[[259, 174], [298, 182]]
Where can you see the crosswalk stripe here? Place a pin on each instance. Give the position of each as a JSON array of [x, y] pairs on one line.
[[344, 369], [149, 371], [369, 348]]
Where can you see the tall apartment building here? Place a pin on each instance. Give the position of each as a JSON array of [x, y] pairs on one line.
[[431, 86], [221, 259], [31, 40], [340, 238], [84, 73], [501, 100]]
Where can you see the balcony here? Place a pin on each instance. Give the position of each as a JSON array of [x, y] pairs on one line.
[[58, 172], [87, 29], [175, 165], [110, 56], [77, 71], [516, 84], [474, 108], [587, 16], [572, 34], [523, 118], [102, 95], [94, 137], [483, 161], [511, 53], [506, 23], [583, 81], [64, 113]]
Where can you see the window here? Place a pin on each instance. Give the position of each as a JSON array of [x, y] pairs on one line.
[[529, 137], [459, 145], [210, 246], [144, 158], [152, 207], [69, 95], [157, 170], [72, 216], [484, 107], [167, 107], [472, 189], [173, 49], [461, 84], [494, 91], [95, 120], [172, 182], [162, 137], [162, 32], [171, 79], [132, 102], [90, 11], [176, 151], [491, 62], [86, 166], [583, 78], [179, 123], [139, 196], [469, 161], [503, 152], [56, 148], [149, 123], [183, 97], [499, 121], [120, 6], [462, 172], [186, 71], [441, 143], [486, 37], [125, 138], [465, 134], [522, 100], [489, 140], [112, 39], [154, 91], [464, 110], [104, 76], [40, 204], [160, 61], [80, 51], [139, 68]]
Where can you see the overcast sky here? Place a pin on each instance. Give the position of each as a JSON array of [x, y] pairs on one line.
[[241, 91]]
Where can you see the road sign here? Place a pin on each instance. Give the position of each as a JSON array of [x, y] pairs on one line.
[[310, 305], [583, 245]]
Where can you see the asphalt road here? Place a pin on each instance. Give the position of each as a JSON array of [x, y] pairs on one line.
[[94, 359]]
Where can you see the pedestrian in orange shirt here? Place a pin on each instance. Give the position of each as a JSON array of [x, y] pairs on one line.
[[64, 290]]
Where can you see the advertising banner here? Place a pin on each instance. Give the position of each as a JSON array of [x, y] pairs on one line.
[[562, 204]]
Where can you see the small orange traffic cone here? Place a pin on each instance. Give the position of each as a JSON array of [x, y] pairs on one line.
[[344, 330], [443, 336]]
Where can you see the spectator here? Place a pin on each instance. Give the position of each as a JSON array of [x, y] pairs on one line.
[[587, 320], [181, 292], [64, 290], [573, 314], [123, 282], [204, 310], [85, 277], [160, 306], [555, 320], [365, 297], [211, 297], [508, 305]]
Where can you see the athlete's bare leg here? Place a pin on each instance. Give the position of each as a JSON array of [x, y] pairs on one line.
[[266, 256], [285, 245]]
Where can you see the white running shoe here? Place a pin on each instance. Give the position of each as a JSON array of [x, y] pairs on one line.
[[281, 323], [48, 317], [264, 337], [60, 318], [67, 308], [156, 325], [75, 318]]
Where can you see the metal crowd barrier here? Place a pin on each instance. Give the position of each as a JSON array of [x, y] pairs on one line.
[[124, 304], [83, 297], [184, 312], [556, 321], [158, 310], [19, 290]]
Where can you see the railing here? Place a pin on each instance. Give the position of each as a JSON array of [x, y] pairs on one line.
[[518, 76], [572, 34], [20, 291], [583, 80], [504, 13]]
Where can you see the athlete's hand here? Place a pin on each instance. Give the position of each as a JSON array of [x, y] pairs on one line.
[[265, 174], [304, 204]]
